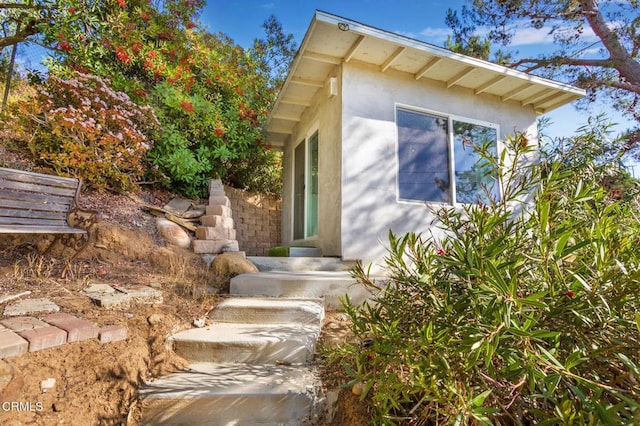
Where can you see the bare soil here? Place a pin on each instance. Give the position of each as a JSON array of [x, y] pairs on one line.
[[98, 383]]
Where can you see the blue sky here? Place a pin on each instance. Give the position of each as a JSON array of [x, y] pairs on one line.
[[424, 20]]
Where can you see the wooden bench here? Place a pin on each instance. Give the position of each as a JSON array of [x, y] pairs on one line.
[[34, 203]]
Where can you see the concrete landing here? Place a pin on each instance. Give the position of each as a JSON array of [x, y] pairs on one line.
[[261, 310], [248, 343], [232, 394], [301, 264], [328, 285]]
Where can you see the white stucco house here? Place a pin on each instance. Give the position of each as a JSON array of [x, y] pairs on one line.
[[373, 127]]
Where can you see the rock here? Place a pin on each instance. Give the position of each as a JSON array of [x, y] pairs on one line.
[[173, 233], [331, 400], [357, 389], [228, 265], [154, 319], [199, 322], [45, 385], [155, 285]]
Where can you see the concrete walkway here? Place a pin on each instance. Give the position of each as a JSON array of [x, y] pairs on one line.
[[254, 363]]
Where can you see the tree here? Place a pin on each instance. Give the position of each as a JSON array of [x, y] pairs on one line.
[[597, 44], [275, 52], [210, 95]]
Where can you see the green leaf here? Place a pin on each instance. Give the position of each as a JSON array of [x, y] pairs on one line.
[[479, 400], [550, 357], [629, 364]]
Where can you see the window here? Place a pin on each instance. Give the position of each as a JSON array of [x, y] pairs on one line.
[[430, 146]]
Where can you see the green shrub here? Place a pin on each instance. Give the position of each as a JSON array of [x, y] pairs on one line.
[[523, 313], [81, 127]]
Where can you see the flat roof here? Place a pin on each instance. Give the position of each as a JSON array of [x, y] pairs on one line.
[[333, 40]]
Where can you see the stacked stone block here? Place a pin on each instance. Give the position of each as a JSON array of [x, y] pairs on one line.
[[257, 220], [217, 233]]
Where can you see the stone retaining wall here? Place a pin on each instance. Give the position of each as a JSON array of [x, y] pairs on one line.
[[257, 220]]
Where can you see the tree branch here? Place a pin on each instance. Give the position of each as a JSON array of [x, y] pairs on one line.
[[19, 37], [22, 6], [561, 60], [616, 85], [620, 57]]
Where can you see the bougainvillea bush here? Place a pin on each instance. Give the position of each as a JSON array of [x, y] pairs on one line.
[[81, 127], [520, 314]]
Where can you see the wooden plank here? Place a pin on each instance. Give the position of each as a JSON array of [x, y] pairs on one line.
[[35, 187], [34, 214], [27, 205], [38, 178], [6, 194], [39, 229], [11, 221]]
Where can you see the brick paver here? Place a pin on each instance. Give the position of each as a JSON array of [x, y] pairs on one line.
[[77, 329], [11, 344], [113, 333], [19, 324], [44, 338]]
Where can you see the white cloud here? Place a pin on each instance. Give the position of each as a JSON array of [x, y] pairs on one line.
[[435, 35], [525, 36], [268, 5]]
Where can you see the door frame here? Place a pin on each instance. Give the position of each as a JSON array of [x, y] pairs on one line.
[[295, 216]]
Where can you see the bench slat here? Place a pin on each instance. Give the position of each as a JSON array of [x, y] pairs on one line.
[[9, 221], [32, 214], [31, 206], [33, 197], [39, 229], [38, 178], [34, 187]]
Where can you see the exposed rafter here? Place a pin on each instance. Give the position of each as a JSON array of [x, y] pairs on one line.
[[536, 97], [296, 101], [307, 82], [354, 48], [424, 70], [561, 100], [552, 98], [391, 59], [319, 57], [284, 116], [489, 84], [516, 92], [460, 76], [280, 130]]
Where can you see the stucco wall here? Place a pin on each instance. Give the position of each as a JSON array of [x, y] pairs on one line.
[[257, 220], [369, 199], [323, 116]]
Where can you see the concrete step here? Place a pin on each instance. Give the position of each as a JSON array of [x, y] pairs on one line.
[[329, 285], [232, 394], [301, 264], [248, 343], [261, 310]]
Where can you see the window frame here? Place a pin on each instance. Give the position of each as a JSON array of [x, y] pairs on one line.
[[450, 151]]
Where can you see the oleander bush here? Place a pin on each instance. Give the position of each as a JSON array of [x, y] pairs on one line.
[[519, 313]]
